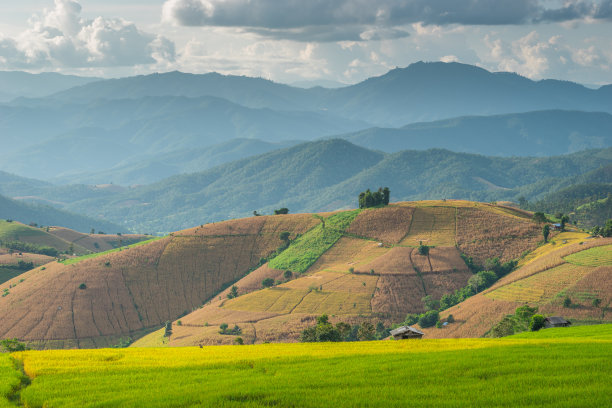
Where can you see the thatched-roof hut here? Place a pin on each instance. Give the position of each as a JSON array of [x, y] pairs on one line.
[[555, 321], [406, 332]]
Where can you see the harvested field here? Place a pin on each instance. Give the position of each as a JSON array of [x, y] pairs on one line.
[[398, 295], [599, 256], [252, 281], [396, 262], [334, 303], [484, 234], [553, 258], [348, 253], [440, 283], [541, 287], [558, 241], [388, 224], [432, 226], [446, 259], [273, 300], [352, 283], [313, 281]]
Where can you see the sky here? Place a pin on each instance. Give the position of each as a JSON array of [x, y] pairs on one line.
[[287, 41]]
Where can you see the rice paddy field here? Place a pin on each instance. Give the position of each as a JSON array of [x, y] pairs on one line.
[[552, 368]]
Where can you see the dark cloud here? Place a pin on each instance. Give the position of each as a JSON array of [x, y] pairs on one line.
[[349, 19]]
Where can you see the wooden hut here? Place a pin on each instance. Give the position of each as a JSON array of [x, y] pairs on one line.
[[555, 321], [406, 332]]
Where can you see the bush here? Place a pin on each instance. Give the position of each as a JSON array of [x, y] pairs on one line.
[[239, 341], [423, 249], [450, 319], [281, 211], [411, 319], [233, 292], [429, 319], [12, 345], [268, 282], [537, 322], [288, 274], [82, 286], [366, 332], [567, 302]]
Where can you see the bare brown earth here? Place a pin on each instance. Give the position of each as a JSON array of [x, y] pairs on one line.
[[373, 273], [96, 242], [545, 281], [133, 290]]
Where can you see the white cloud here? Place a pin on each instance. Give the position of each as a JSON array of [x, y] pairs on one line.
[[62, 38]]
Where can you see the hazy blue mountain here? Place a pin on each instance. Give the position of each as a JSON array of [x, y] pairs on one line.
[[47, 141], [246, 91], [419, 92], [327, 175], [178, 162], [14, 84], [539, 133], [46, 215]]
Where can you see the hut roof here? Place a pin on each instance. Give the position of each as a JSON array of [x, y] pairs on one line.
[[556, 320], [405, 329]]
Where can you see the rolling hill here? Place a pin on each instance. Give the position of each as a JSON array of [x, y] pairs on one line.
[[15, 84], [323, 176], [360, 265], [570, 266], [46, 215]]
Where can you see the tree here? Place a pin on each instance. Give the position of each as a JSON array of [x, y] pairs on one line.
[[567, 302], [423, 249], [430, 303], [596, 302], [233, 292], [12, 345], [369, 199], [429, 319], [223, 328], [281, 211], [268, 282], [537, 322], [168, 329], [366, 332], [523, 203], [546, 232], [386, 195], [539, 217], [239, 341], [450, 318], [284, 236], [288, 274]]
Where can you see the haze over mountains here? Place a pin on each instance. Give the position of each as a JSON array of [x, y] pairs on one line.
[[142, 130]]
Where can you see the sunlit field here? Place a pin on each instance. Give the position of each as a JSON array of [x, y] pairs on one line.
[[534, 370]]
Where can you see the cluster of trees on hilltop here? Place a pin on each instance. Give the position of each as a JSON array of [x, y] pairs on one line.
[[369, 199]]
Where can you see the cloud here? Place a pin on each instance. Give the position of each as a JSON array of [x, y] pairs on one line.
[[62, 38], [352, 20]]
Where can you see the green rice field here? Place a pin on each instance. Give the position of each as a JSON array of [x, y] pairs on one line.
[[552, 368]]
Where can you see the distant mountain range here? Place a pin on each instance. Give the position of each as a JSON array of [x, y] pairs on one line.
[[15, 84], [136, 129]]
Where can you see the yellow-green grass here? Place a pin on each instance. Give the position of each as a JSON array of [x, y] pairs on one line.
[[596, 331], [541, 287], [598, 256], [334, 303], [78, 259], [432, 226], [560, 240], [510, 372], [305, 250], [16, 231]]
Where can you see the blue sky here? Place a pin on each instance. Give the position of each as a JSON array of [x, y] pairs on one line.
[[292, 40]]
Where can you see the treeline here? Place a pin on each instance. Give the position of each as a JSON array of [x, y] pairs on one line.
[[31, 248], [369, 199], [484, 277], [325, 331]]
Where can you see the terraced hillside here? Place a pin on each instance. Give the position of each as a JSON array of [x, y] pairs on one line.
[[39, 243], [95, 300], [572, 266], [360, 266]]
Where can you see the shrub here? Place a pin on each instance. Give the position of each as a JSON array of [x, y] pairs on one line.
[[223, 328], [12, 345], [179, 323], [351, 270], [596, 302], [450, 319], [428, 319], [82, 286], [567, 302], [537, 322], [288, 274], [233, 292], [168, 329], [281, 211], [411, 319], [423, 249], [366, 332], [239, 341], [268, 282]]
